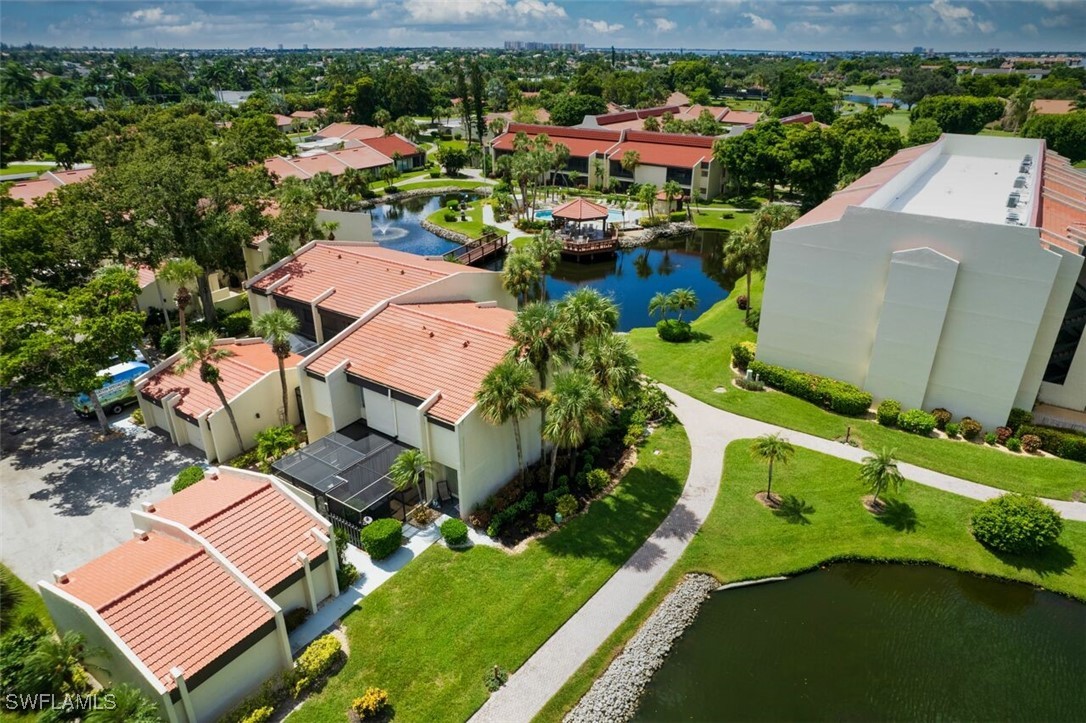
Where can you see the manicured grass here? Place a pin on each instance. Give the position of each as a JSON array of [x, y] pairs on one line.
[[898, 119], [716, 218], [889, 87], [443, 183], [742, 540], [472, 227], [16, 168], [698, 368], [430, 634], [380, 185], [743, 104], [1080, 164], [997, 132], [31, 602]]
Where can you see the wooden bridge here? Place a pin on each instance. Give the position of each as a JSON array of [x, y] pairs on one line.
[[488, 246]]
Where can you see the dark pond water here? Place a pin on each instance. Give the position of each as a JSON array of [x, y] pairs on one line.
[[872, 100], [631, 278], [860, 642]]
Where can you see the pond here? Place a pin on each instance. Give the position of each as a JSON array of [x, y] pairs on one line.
[[632, 277], [877, 642]]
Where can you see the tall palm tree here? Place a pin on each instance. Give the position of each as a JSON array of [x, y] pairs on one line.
[[496, 126], [880, 473], [130, 705], [521, 275], [201, 351], [181, 272], [683, 300], [275, 327], [609, 358], [771, 448], [630, 161], [588, 313], [546, 248], [660, 304], [743, 254], [673, 191], [577, 413], [540, 338], [508, 394], [410, 468], [772, 217]]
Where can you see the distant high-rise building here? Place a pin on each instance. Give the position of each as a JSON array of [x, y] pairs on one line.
[[532, 45], [918, 50]]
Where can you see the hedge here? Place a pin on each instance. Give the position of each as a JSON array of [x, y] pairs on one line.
[[187, 478], [381, 538], [917, 421], [743, 354], [315, 662], [837, 396], [1064, 443]]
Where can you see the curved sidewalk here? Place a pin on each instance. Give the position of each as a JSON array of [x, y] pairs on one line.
[[710, 430]]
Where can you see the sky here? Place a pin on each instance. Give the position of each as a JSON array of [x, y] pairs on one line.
[[891, 25]]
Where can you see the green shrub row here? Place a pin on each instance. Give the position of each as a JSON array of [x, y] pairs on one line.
[[1065, 443], [837, 396], [381, 538], [917, 421], [510, 513], [315, 662]]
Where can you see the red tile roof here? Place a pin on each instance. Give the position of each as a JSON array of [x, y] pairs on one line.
[[609, 120], [146, 276], [1063, 203], [361, 276], [169, 601], [334, 162], [580, 209], [420, 349], [250, 521], [349, 130], [741, 117], [665, 149], [249, 362], [304, 114], [395, 143], [582, 142], [32, 190], [282, 120]]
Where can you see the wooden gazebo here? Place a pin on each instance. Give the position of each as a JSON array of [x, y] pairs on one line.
[[577, 241]]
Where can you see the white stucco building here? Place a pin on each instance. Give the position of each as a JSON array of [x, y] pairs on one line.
[[949, 276]]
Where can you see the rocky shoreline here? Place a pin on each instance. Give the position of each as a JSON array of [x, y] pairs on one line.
[[447, 234], [436, 191], [648, 235], [615, 695]]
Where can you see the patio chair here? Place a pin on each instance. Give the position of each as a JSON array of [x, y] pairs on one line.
[[443, 491]]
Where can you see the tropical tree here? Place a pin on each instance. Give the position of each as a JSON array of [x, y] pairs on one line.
[[181, 272], [673, 191], [772, 217], [683, 300], [771, 448], [130, 705], [201, 351], [743, 254], [521, 275], [496, 126], [56, 665], [381, 117], [630, 161], [599, 170], [389, 174], [410, 468], [646, 194], [275, 327], [611, 361], [508, 394], [546, 249], [660, 304], [879, 473], [540, 338], [587, 313], [577, 413]]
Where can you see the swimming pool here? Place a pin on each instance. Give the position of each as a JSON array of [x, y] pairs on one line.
[[613, 216]]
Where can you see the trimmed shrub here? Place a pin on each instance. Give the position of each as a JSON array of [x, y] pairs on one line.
[[496, 678], [677, 216], [598, 479], [373, 703], [137, 417], [743, 354], [435, 174], [1014, 444], [346, 575], [741, 302], [917, 421], [1018, 417], [751, 385], [238, 325], [295, 617], [170, 341], [673, 330], [1065, 443], [315, 662], [635, 435], [832, 394], [990, 439], [567, 505], [381, 538], [260, 715], [187, 478], [1030, 443], [450, 216], [970, 428], [543, 522], [454, 531], [942, 417], [1002, 434], [753, 319], [1015, 523], [888, 412], [952, 430]]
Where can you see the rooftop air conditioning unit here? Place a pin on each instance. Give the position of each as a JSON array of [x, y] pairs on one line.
[[1012, 200], [1020, 182]]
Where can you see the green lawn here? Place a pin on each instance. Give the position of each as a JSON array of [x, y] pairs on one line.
[[16, 168], [445, 182], [430, 634], [743, 104], [1080, 164], [717, 218], [698, 368], [472, 227], [889, 87], [898, 119], [31, 602], [742, 540]]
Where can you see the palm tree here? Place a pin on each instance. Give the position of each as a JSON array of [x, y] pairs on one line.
[[673, 191], [275, 327], [389, 174], [647, 195], [410, 468], [201, 351], [56, 665], [496, 126], [587, 313], [772, 217], [508, 394], [521, 275], [540, 338], [683, 300], [743, 254], [771, 448], [130, 705], [879, 472], [598, 172], [630, 161], [609, 358], [578, 412], [180, 272], [546, 249], [660, 304]]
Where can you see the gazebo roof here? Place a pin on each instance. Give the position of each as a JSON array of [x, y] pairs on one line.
[[580, 210]]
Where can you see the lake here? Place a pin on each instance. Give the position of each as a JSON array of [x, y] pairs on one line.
[[877, 642], [631, 278]]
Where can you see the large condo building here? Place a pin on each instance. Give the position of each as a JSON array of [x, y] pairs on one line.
[[950, 276]]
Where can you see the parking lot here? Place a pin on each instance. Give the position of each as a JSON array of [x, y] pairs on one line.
[[66, 492]]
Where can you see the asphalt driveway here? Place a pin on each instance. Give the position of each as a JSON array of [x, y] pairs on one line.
[[64, 493]]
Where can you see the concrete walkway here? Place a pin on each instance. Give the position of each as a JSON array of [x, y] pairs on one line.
[[710, 430]]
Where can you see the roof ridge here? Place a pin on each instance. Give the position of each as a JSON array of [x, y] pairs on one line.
[[197, 551], [415, 309], [244, 498]]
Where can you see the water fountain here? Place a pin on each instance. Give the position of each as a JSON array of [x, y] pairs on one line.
[[385, 231]]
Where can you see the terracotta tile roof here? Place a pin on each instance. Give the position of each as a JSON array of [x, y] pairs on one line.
[[1052, 107], [422, 348], [334, 162], [146, 276], [32, 190], [693, 112], [249, 362], [580, 209], [349, 130], [1063, 203], [582, 142], [248, 520], [282, 120], [169, 601], [676, 150], [395, 143], [304, 114], [741, 117], [609, 120], [677, 98], [361, 276]]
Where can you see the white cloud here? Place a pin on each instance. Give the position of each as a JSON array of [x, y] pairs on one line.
[[664, 25], [600, 26], [150, 16], [760, 23], [1030, 29], [495, 12]]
